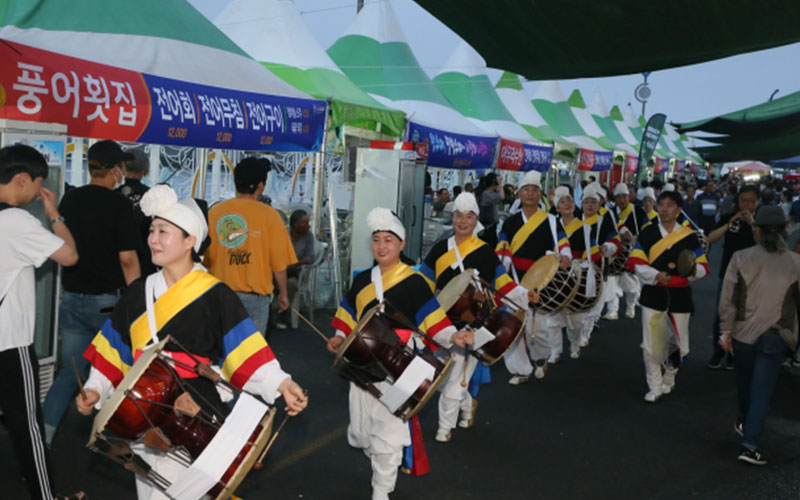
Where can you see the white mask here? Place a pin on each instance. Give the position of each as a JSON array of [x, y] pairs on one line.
[[118, 183]]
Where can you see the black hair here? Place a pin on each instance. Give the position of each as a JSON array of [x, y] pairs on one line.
[[456, 191], [672, 195], [748, 188], [297, 216], [195, 256], [249, 173], [21, 159], [645, 183], [772, 238], [443, 190]]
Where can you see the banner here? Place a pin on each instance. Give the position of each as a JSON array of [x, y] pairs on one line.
[[451, 150], [595, 161], [679, 164], [661, 165], [105, 102], [652, 132], [630, 164], [523, 157]]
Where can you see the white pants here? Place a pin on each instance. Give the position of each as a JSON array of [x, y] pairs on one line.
[[517, 359], [573, 322], [629, 286], [590, 319], [663, 333], [379, 433], [611, 295], [452, 394]]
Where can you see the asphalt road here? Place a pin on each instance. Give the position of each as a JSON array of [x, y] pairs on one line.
[[583, 431]]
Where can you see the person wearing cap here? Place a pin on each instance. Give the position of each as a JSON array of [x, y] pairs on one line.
[[525, 237], [197, 310], [373, 427], [649, 206], [758, 311], [602, 242], [25, 245], [250, 245], [666, 297], [134, 189], [106, 233], [629, 219], [462, 252]]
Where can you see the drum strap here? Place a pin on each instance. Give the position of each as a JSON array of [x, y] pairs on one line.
[[451, 245], [587, 240], [552, 220], [149, 295], [377, 281]]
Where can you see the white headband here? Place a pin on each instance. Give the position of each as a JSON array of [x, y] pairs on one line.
[[382, 219], [560, 192], [533, 178], [465, 202], [162, 202]]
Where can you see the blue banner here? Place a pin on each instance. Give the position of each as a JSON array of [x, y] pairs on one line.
[[190, 114], [451, 150]]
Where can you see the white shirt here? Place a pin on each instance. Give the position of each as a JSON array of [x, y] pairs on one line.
[[24, 246]]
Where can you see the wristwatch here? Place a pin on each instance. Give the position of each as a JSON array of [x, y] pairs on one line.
[[60, 218]]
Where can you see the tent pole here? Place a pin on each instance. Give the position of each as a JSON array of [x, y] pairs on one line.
[[216, 171], [319, 176], [155, 164]]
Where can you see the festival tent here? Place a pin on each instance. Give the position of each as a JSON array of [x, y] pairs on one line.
[[464, 82], [599, 113], [146, 71], [549, 101], [584, 117], [624, 131], [375, 54], [272, 32], [511, 92]]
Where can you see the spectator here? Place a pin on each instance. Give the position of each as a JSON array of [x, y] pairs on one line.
[[106, 234], [134, 189], [442, 197], [456, 191], [760, 332], [728, 204], [489, 195], [303, 244], [250, 247], [691, 207], [710, 204], [469, 188], [25, 245]]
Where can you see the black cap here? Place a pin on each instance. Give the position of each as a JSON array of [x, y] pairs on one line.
[[106, 154], [770, 215]]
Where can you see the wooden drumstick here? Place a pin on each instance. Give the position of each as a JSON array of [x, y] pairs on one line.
[[309, 323], [464, 374], [78, 377], [258, 465]]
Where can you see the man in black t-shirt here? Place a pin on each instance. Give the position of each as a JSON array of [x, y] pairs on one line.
[[106, 235], [134, 189], [736, 228]]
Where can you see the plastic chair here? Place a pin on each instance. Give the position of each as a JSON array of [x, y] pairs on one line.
[[307, 284]]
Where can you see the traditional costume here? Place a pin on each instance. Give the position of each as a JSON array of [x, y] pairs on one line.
[[202, 314], [665, 309], [629, 220], [651, 217], [373, 428], [445, 261], [521, 242]]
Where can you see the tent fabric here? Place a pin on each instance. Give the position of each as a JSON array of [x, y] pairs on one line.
[[513, 36], [759, 120], [464, 82], [511, 92], [588, 124], [774, 147], [549, 101], [134, 82], [272, 32]]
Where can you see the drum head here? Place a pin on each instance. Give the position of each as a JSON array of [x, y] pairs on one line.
[[489, 360], [118, 396], [432, 390], [355, 333], [449, 295], [540, 273], [250, 458]]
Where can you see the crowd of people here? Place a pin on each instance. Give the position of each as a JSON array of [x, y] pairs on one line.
[[139, 265]]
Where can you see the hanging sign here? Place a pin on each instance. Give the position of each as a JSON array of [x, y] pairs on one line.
[[523, 157], [452, 150], [595, 161]]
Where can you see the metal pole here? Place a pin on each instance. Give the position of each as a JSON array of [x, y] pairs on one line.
[[202, 158], [335, 266], [319, 177], [216, 172], [155, 164]]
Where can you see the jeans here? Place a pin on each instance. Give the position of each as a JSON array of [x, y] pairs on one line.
[[757, 369], [715, 337], [257, 307], [80, 317]]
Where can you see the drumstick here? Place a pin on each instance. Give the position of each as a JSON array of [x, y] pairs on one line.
[[257, 465], [464, 375], [309, 323], [78, 378], [503, 295]]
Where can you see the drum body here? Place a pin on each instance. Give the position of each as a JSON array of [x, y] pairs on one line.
[[618, 264], [505, 327], [556, 286], [373, 352], [581, 301]]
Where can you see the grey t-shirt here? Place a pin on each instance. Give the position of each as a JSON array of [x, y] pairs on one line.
[[304, 247]]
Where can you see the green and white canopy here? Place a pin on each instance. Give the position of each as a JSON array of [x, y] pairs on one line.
[[584, 117], [550, 103], [273, 33], [464, 82], [511, 92], [375, 54], [621, 137]]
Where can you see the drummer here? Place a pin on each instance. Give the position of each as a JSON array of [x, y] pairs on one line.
[[649, 207], [525, 237], [629, 219], [666, 298], [446, 260], [197, 310], [602, 241], [372, 427], [573, 228]]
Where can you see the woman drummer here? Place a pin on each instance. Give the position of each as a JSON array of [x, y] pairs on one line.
[[199, 312], [372, 427], [446, 260]]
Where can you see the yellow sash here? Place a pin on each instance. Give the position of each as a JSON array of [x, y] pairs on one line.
[[572, 227], [527, 229], [174, 300], [449, 258], [667, 241], [623, 216], [389, 279]]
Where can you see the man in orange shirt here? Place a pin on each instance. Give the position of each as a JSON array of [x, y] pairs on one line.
[[250, 246]]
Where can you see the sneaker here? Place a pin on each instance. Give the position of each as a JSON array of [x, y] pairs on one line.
[[575, 354], [630, 313], [752, 457], [281, 326], [729, 361], [584, 342], [715, 363], [467, 421], [667, 388], [541, 368], [738, 427], [553, 359], [443, 435], [611, 316], [518, 379], [652, 396]]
